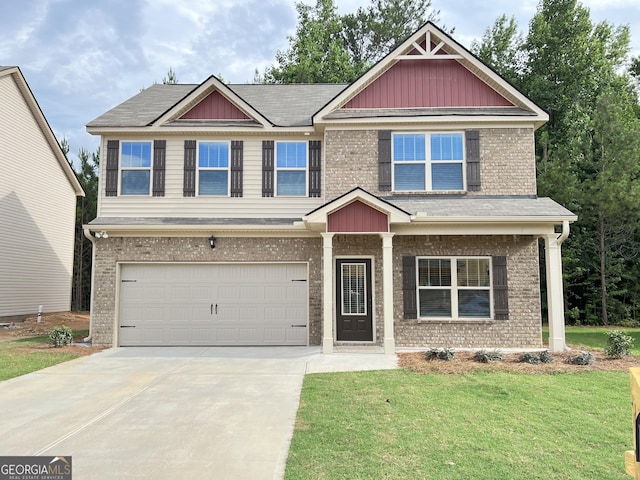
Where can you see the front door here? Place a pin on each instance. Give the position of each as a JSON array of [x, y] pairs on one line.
[[354, 316]]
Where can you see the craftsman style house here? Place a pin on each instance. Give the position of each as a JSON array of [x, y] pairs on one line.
[[398, 211]]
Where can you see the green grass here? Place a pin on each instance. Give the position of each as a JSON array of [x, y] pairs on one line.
[[594, 337], [18, 357], [402, 425]]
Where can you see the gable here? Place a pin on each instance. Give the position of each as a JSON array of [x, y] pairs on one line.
[[357, 217], [428, 75], [215, 107], [434, 83]]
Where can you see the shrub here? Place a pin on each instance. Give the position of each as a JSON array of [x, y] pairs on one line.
[[529, 357], [618, 344], [629, 323], [583, 358], [486, 357], [534, 358], [60, 336], [545, 356], [446, 354]]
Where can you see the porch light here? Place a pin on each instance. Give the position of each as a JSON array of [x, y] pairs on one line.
[[212, 242]]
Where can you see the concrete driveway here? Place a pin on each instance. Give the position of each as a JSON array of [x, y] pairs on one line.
[[196, 412]]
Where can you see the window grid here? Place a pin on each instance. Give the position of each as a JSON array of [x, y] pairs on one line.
[[428, 161], [353, 289], [135, 168], [291, 169], [213, 168], [460, 292]]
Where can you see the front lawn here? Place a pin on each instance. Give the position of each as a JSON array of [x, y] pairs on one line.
[[26, 355], [594, 337], [404, 425]]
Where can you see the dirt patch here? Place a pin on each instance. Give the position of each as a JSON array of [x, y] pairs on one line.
[[464, 363], [30, 327]]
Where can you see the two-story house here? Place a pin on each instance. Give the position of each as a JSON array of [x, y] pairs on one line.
[[398, 211]]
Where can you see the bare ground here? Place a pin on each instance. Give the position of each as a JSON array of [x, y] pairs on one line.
[[30, 327]]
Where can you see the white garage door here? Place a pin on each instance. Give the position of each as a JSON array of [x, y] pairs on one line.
[[213, 304]]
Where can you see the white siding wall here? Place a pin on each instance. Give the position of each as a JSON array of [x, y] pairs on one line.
[[173, 204], [37, 214]]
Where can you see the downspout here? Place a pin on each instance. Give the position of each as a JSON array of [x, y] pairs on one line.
[[92, 239], [565, 232]]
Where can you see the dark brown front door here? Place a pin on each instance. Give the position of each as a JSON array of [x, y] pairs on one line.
[[354, 317]]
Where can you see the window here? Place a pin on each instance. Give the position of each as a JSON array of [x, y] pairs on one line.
[[135, 167], [213, 168], [428, 161], [456, 287], [291, 168]]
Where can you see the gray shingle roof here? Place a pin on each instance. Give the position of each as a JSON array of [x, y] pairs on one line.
[[475, 206], [282, 105], [159, 221]]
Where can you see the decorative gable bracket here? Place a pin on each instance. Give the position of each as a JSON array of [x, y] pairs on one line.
[[429, 53]]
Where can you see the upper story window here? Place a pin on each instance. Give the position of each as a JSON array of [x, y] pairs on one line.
[[213, 168], [291, 169], [135, 168], [428, 161], [454, 287]]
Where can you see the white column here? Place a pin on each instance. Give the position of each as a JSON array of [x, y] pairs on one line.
[[555, 293], [387, 292], [327, 293]]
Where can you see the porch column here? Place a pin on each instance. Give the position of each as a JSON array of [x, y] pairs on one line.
[[555, 291], [387, 293], [327, 293]]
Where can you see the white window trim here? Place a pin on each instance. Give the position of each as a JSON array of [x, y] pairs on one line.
[[454, 288], [122, 169], [278, 169], [198, 168], [428, 182], [366, 312]]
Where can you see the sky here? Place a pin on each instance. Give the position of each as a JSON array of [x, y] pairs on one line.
[[83, 57]]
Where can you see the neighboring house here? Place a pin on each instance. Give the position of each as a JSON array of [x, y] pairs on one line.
[[38, 192], [398, 211]]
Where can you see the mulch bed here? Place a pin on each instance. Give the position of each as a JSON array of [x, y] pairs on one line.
[[464, 362]]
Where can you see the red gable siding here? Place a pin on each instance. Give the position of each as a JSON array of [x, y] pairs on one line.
[[357, 217], [427, 84], [215, 107]]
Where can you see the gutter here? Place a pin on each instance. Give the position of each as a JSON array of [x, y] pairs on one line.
[[91, 238], [565, 232]]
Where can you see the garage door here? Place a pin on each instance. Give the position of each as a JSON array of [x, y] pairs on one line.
[[213, 304]]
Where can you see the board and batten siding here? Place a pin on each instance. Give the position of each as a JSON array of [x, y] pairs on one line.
[[173, 204], [37, 214]]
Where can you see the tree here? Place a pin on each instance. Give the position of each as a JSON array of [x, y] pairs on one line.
[[501, 48], [317, 53], [86, 209], [587, 152], [330, 48], [171, 78]]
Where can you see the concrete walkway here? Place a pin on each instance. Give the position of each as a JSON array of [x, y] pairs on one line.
[[166, 413]]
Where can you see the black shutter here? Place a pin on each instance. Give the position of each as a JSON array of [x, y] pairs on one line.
[[409, 287], [500, 290], [384, 160], [473, 160], [159, 161], [111, 175], [189, 189], [236, 168], [267, 168], [315, 168]]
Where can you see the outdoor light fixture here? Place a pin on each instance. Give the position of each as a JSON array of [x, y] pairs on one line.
[[212, 242], [102, 234]]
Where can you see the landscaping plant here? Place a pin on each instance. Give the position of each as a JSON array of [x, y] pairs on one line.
[[484, 356], [61, 336], [618, 344], [446, 354], [583, 358]]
